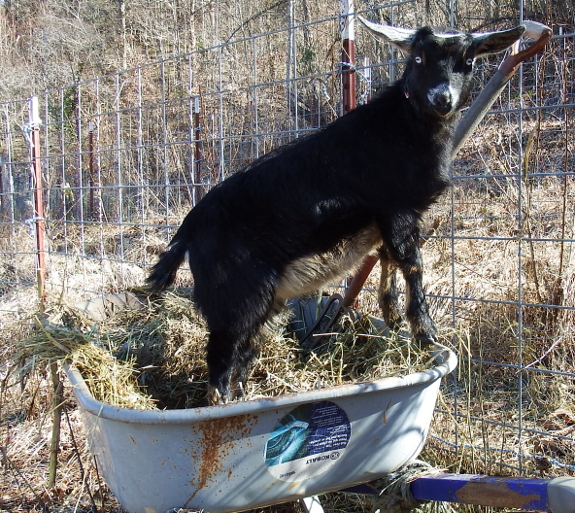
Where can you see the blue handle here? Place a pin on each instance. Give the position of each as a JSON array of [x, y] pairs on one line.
[[505, 492]]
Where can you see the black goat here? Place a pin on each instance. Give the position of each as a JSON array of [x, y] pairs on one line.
[[307, 213]]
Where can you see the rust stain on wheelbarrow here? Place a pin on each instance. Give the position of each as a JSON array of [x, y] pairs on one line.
[[217, 442]]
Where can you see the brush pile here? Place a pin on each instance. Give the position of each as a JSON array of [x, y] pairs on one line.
[[152, 355]]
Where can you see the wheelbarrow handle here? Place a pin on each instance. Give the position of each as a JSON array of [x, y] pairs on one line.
[[468, 123], [556, 495], [493, 88], [358, 280]]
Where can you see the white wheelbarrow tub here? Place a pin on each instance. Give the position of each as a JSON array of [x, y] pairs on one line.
[[260, 452]]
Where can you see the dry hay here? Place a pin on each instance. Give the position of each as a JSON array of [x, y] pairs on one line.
[[156, 350], [109, 379]]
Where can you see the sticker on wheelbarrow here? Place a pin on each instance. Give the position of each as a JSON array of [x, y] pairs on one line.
[[307, 441]]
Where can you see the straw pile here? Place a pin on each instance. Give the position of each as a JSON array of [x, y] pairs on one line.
[[157, 350], [110, 380]]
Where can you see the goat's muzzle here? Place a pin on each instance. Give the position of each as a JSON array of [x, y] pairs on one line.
[[442, 100], [442, 104]]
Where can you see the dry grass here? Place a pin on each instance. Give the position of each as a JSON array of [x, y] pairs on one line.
[[109, 379], [512, 412]]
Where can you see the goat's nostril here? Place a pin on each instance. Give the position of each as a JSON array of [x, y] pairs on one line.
[[443, 99], [442, 102]]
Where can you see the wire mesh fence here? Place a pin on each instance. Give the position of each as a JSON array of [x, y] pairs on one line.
[[124, 156]]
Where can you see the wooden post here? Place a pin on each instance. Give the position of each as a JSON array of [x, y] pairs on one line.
[[57, 405]]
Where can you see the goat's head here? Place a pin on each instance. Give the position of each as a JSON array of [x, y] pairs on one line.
[[439, 70]]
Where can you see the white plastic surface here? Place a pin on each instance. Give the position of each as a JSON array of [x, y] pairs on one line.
[[561, 495], [255, 453]]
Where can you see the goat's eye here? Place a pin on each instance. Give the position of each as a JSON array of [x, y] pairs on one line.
[[417, 59], [469, 62]]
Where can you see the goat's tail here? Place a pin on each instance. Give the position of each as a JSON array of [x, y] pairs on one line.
[[164, 271]]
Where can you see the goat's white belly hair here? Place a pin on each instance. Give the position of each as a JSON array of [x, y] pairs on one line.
[[310, 273]]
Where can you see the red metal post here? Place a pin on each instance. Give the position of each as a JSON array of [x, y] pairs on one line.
[[347, 30], [38, 199]]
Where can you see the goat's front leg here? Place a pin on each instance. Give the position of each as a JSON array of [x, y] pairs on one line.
[[401, 239], [422, 327], [387, 293]]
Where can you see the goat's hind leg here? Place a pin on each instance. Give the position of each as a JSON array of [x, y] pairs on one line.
[[220, 360], [230, 356], [249, 352], [235, 322], [244, 361]]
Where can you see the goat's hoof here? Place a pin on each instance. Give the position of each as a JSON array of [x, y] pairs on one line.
[[424, 339], [240, 390], [215, 397], [396, 324]]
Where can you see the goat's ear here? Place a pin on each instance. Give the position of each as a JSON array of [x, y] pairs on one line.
[[400, 37], [495, 42]]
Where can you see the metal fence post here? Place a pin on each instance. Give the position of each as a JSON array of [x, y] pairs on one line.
[[92, 210], [34, 122], [347, 30], [197, 158]]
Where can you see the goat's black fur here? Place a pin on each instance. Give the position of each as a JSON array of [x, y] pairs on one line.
[[309, 212]]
